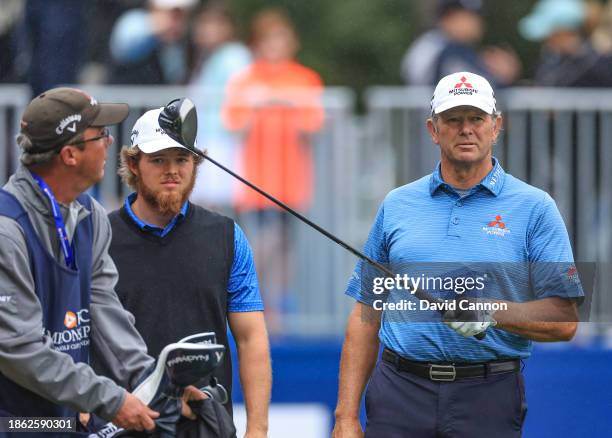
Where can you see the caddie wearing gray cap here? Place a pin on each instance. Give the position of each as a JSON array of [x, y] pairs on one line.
[[475, 238], [58, 308]]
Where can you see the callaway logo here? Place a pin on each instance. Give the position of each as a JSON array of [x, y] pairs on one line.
[[73, 119], [496, 227], [463, 87], [190, 358], [133, 136]]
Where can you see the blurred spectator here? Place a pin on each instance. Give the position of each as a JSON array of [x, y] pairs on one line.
[[100, 16], [10, 14], [451, 46], [275, 102], [568, 59], [219, 56], [51, 38], [601, 37], [150, 46]]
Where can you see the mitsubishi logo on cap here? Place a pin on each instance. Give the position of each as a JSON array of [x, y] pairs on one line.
[[463, 89], [463, 82]]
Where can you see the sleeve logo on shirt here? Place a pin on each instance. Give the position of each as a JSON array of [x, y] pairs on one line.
[[496, 227], [572, 275]]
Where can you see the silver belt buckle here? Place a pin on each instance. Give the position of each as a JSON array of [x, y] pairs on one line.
[[442, 373]]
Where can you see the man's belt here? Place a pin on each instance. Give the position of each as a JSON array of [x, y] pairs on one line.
[[450, 372]]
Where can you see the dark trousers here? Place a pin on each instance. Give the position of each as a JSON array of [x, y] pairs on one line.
[[402, 405]]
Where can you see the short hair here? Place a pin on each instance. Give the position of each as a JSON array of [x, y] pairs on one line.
[[29, 158], [133, 154]]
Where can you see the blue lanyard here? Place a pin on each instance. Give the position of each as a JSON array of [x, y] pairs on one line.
[[59, 222]]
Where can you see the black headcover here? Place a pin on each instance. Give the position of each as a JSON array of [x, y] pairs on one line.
[[180, 121], [179, 365]]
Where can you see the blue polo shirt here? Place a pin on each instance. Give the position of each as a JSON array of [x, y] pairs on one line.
[[242, 288], [504, 231]]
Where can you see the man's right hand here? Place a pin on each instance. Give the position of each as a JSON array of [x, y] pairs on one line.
[[135, 415], [350, 428]]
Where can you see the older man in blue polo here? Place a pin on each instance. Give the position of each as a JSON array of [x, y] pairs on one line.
[[456, 372]]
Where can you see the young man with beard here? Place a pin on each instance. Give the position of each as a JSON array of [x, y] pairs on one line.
[[184, 269]]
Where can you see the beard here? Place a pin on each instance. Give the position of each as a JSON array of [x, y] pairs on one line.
[[167, 203]]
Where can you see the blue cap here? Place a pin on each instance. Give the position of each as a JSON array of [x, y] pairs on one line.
[[549, 16]]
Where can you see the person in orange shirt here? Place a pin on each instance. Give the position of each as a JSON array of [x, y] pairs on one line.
[[276, 104]]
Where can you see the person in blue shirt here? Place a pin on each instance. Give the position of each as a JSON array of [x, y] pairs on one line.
[[469, 235], [184, 269]]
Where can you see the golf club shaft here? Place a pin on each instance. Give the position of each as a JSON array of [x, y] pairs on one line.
[[419, 293]]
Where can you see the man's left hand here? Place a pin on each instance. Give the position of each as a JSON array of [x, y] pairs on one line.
[[468, 329], [190, 393], [469, 322]]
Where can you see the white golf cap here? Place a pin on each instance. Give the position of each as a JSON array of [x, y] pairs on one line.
[[463, 89], [149, 136]]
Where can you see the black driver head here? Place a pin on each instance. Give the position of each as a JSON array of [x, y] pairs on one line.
[[180, 121]]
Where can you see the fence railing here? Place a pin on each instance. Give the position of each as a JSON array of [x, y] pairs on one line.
[[558, 140], [313, 302]]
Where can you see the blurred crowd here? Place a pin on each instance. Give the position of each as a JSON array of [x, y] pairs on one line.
[[258, 107], [575, 39], [196, 42]]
